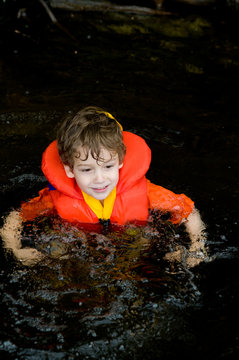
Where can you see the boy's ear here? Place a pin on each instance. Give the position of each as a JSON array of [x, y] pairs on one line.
[[69, 171]]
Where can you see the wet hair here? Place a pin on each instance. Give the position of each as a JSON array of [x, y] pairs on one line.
[[91, 129]]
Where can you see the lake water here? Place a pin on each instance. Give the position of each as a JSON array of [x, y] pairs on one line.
[[173, 80]]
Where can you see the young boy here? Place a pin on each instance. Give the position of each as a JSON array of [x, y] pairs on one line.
[[96, 173]]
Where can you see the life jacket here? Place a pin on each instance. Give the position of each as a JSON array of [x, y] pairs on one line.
[[131, 201]]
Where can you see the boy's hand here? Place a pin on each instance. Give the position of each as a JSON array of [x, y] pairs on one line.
[[28, 256], [11, 231]]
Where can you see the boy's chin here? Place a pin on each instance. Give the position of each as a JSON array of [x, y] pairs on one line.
[[101, 197]]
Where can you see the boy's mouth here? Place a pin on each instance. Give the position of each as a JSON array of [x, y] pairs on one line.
[[101, 189]]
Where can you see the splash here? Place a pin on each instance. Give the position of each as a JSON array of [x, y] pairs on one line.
[[98, 295]]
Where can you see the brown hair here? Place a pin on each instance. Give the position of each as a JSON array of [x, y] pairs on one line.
[[90, 128]]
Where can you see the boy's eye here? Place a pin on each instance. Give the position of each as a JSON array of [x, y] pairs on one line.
[[109, 166], [85, 170]]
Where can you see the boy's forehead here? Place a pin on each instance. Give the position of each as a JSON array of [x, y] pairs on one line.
[[104, 155]]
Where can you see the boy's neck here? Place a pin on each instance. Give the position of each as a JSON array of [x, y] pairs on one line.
[[102, 202]]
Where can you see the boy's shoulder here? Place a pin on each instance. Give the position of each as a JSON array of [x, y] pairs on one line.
[[179, 205]]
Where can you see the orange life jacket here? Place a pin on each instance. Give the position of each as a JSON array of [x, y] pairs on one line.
[[131, 201], [134, 194]]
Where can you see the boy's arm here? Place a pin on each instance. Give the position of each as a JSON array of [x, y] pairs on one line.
[[182, 210], [196, 230], [11, 236], [197, 252]]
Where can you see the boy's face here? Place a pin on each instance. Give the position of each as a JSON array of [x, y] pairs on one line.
[[96, 178]]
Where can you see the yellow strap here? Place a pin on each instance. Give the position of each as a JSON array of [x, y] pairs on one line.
[[111, 117], [102, 212]]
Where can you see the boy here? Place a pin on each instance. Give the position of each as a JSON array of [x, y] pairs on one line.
[[96, 173]]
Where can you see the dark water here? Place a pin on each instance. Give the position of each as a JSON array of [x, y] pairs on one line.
[[173, 80]]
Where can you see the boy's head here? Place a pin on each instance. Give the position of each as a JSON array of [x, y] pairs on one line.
[[91, 147], [91, 130]]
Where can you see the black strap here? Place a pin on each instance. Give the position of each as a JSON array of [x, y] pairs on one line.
[[105, 224]]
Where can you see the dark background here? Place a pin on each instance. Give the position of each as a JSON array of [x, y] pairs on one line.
[[172, 77]]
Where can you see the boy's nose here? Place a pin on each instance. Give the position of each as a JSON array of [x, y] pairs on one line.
[[99, 176]]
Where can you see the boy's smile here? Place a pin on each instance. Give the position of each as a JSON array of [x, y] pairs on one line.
[[96, 178]]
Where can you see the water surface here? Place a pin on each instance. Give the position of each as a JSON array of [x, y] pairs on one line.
[[174, 81]]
